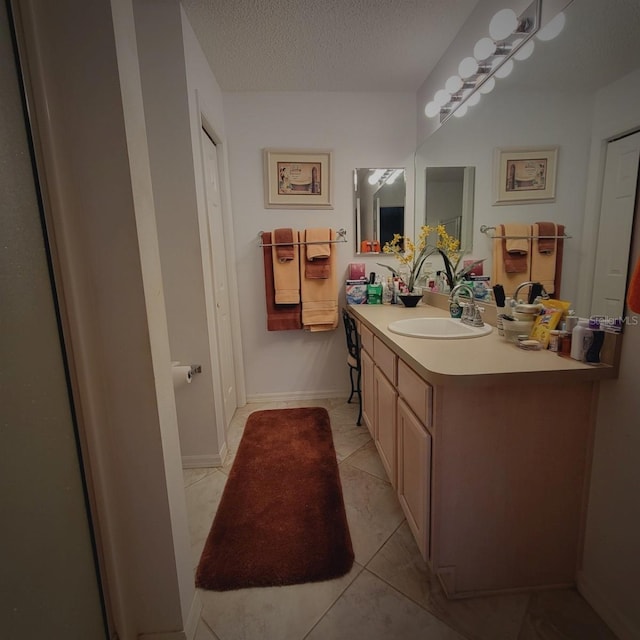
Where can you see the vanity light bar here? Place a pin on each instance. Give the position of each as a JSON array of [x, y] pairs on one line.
[[492, 57]]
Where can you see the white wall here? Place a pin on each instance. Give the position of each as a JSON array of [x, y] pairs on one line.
[[611, 564], [167, 115], [362, 130]]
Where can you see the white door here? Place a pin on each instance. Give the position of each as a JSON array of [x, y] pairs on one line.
[[218, 262], [616, 222]]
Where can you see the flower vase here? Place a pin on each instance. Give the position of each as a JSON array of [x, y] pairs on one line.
[[410, 299]]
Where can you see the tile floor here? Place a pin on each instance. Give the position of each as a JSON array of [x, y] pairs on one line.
[[389, 594]]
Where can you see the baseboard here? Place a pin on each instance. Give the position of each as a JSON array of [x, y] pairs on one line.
[[197, 462], [296, 396], [191, 626], [624, 628]]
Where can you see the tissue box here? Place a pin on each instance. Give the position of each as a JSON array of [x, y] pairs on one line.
[[356, 293], [356, 271]]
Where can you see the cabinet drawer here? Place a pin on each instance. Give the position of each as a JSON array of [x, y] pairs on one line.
[[386, 360], [416, 392], [366, 339]]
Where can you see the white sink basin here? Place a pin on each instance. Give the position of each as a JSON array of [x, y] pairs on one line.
[[440, 328]]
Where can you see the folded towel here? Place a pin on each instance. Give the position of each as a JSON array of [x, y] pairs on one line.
[[633, 293], [284, 239], [516, 249], [546, 245], [499, 273], [317, 269], [279, 317], [543, 263], [286, 276], [320, 236], [320, 297]]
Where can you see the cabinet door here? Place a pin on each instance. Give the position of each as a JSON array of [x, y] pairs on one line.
[[414, 475], [385, 419], [368, 411]]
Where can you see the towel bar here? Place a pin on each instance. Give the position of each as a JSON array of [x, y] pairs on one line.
[[340, 233], [485, 229]]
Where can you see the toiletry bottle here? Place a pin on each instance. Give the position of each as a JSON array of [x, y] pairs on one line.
[[592, 355], [581, 339], [387, 291]]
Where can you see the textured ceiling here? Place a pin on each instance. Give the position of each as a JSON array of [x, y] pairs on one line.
[[325, 45]]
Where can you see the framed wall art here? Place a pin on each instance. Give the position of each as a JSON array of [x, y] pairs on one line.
[[525, 175], [297, 179]]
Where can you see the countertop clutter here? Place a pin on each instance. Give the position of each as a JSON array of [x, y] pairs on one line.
[[487, 358]]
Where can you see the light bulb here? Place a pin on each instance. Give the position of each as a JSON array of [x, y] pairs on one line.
[[432, 109], [504, 70], [453, 84], [460, 111], [473, 100], [487, 86], [552, 28], [525, 50], [468, 67], [442, 97], [485, 47], [503, 24]]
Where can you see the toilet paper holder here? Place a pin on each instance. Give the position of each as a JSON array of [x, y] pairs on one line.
[[196, 368]]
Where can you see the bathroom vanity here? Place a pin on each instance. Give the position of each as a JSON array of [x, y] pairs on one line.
[[488, 447]]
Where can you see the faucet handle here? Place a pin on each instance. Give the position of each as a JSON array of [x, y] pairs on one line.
[[477, 317]]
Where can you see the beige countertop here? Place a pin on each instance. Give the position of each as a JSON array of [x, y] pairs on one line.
[[482, 360]]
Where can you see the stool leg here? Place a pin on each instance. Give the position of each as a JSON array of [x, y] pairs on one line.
[[359, 400], [353, 388]]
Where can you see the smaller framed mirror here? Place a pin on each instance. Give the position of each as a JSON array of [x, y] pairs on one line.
[[379, 202], [449, 201]]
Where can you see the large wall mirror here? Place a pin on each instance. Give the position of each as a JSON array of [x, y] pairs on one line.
[[379, 203], [576, 92]]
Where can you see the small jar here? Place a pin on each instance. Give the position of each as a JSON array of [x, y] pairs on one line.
[[555, 340]]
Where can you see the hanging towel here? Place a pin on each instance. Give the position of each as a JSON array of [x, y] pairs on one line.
[[633, 293], [499, 275], [286, 276], [320, 297], [322, 249], [546, 245], [316, 267], [516, 250], [279, 317], [284, 238], [543, 260]]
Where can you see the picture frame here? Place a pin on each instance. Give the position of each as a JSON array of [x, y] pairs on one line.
[[525, 175], [297, 179]]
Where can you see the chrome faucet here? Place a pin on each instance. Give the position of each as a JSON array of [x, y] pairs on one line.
[[471, 311], [529, 283]]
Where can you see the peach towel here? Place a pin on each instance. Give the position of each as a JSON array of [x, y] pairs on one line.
[[320, 297], [318, 267], [543, 256], [321, 236], [516, 250], [499, 274], [286, 276]]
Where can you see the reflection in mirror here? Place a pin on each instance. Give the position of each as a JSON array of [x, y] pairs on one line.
[[577, 92], [379, 207], [449, 202]]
